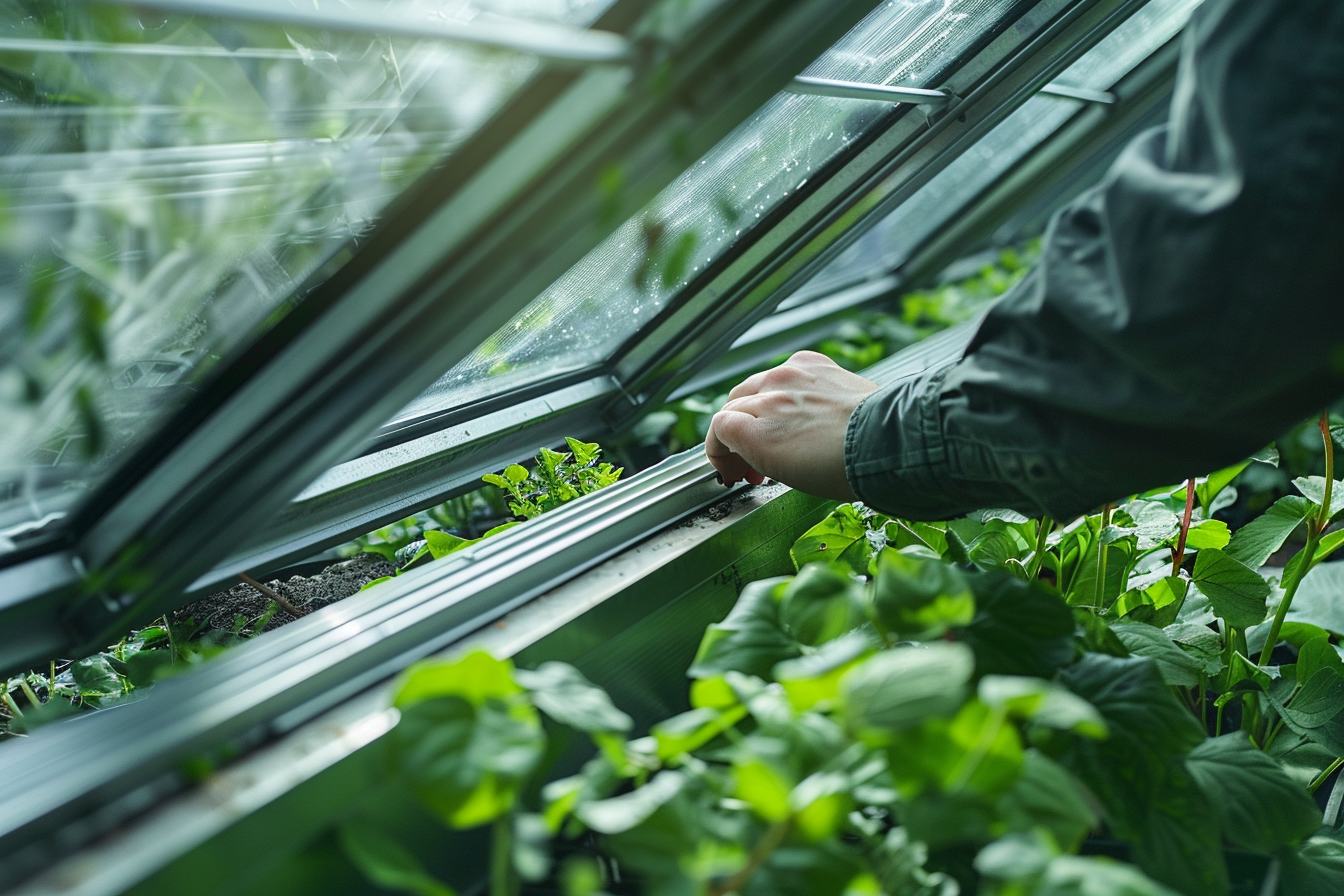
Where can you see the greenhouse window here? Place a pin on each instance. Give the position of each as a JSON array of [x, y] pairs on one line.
[[590, 312], [172, 184]]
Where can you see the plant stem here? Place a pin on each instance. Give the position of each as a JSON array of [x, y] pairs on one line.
[[501, 857], [28, 691], [1178, 555], [1099, 593], [1043, 529], [1321, 778], [1315, 528], [13, 707], [273, 595], [768, 843]]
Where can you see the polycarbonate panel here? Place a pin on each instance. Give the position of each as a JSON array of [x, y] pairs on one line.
[[604, 299], [892, 241], [168, 181]]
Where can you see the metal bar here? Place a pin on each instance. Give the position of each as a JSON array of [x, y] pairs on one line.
[[1103, 97], [551, 42], [433, 281], [854, 90]]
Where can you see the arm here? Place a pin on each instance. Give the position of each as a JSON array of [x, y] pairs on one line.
[[1184, 312]]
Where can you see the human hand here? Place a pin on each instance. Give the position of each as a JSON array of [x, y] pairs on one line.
[[789, 423]]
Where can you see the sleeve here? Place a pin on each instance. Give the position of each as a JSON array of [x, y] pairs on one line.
[[1184, 312]]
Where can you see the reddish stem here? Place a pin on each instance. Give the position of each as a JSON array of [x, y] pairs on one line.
[[1179, 554]]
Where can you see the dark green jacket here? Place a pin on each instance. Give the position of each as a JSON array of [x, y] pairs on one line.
[[1184, 312]]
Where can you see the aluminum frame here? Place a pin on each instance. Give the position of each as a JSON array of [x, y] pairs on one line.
[[435, 279]]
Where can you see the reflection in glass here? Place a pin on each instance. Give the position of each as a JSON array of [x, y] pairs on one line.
[[622, 284], [166, 184], [893, 240]]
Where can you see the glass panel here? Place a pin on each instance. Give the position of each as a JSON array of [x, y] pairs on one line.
[[893, 240], [167, 181], [604, 299]]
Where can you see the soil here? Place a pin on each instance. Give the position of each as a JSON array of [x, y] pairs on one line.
[[242, 607]]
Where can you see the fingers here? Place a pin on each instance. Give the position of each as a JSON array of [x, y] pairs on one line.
[[728, 430]]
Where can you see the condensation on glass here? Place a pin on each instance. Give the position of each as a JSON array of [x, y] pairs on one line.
[[894, 239], [622, 284], [168, 182]]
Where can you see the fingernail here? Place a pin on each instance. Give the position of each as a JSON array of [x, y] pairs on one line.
[[718, 477]]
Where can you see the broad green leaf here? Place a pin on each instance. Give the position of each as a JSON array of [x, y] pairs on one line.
[[1178, 668], [1042, 702], [1236, 591], [1019, 628], [1178, 841], [898, 688], [820, 803], [1149, 729], [1207, 534], [976, 751], [562, 692], [1199, 642], [751, 638], [95, 677], [763, 785], [1315, 711], [1158, 604], [1208, 489], [1317, 654], [1015, 856], [1328, 544], [1320, 598], [1078, 876], [378, 581], [842, 536], [1154, 524], [919, 598], [815, 679], [515, 473], [441, 544], [691, 730], [467, 762], [1045, 795], [467, 738], [1259, 806], [475, 677], [387, 863], [621, 813], [1316, 868], [992, 550], [1267, 455], [823, 602], [1313, 487], [1254, 542]]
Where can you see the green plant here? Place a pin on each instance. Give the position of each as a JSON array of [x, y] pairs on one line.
[[938, 708], [557, 478]]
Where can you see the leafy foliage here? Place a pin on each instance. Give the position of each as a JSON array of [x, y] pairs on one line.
[[955, 707]]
